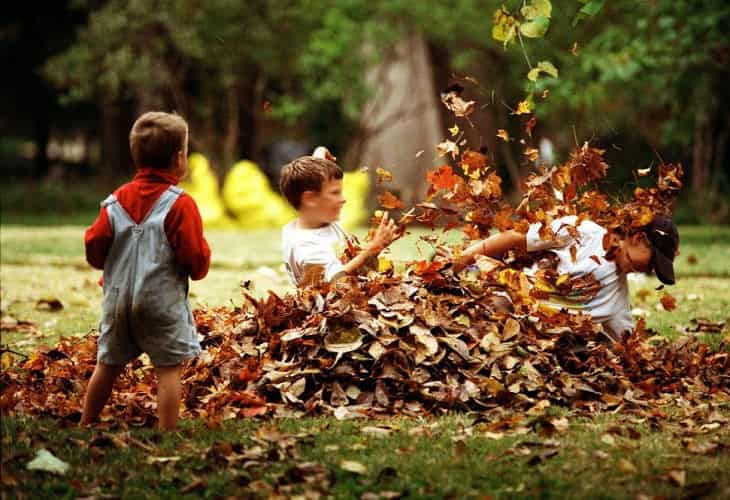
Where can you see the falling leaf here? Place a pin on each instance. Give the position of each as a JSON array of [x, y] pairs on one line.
[[453, 101], [454, 130], [532, 154], [530, 125], [668, 302], [383, 175], [643, 171], [523, 107], [389, 201], [443, 178], [502, 134], [448, 147], [575, 49]]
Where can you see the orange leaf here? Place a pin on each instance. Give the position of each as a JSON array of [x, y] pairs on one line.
[[389, 201], [530, 125], [443, 178], [668, 302]]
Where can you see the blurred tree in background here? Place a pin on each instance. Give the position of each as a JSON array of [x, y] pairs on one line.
[[643, 79]]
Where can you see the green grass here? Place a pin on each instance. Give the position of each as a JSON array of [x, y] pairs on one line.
[[444, 456], [421, 458]]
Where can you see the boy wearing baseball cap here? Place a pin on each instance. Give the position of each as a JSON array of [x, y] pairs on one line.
[[581, 252]]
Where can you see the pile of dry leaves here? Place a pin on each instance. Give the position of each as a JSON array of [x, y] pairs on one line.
[[422, 341]]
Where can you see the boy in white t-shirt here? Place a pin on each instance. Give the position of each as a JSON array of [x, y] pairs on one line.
[[582, 253], [314, 243]]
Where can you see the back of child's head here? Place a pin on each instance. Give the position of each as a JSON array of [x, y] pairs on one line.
[[156, 137], [306, 173]]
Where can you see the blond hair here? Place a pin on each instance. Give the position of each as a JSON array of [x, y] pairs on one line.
[[156, 137], [306, 173]]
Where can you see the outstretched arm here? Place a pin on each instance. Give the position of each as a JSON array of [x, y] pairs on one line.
[[494, 246], [384, 236]]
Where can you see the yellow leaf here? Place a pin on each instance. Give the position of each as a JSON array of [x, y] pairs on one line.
[[454, 130], [531, 153], [542, 67], [502, 134], [6, 360], [384, 264], [523, 108], [537, 8], [544, 286], [505, 25]]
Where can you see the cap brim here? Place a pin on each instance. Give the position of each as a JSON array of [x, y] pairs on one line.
[[663, 267]]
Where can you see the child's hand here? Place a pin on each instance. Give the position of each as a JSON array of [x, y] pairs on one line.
[[322, 153], [385, 234]]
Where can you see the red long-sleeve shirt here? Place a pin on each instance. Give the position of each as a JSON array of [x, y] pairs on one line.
[[183, 225]]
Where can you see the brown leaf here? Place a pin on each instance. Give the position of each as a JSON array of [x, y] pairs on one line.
[[389, 201], [668, 302]]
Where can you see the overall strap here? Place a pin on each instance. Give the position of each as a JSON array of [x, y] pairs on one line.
[[164, 203], [108, 201]]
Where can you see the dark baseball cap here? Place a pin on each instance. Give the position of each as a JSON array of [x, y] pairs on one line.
[[664, 241]]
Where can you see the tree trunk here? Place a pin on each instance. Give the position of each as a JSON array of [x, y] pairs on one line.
[[702, 151], [401, 125], [41, 136], [116, 158]]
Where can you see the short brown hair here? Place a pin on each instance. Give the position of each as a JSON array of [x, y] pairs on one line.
[[306, 173], [156, 137]]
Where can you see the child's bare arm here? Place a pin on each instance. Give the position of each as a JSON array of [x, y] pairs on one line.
[[385, 234], [494, 246]]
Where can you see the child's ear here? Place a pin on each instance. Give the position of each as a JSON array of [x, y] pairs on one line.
[[307, 197], [638, 238]]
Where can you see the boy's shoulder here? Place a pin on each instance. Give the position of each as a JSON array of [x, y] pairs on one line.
[[292, 231]]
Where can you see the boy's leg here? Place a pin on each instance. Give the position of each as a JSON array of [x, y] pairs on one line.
[[169, 391], [98, 390]]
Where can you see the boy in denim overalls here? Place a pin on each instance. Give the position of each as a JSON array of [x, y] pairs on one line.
[[148, 239]]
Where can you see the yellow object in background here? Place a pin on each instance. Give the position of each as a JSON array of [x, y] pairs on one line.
[[248, 195], [355, 189], [202, 184]]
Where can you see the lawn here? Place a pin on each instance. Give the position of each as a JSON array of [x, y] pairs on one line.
[[456, 455]]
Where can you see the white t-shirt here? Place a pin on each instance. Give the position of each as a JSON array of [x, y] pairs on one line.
[[322, 247], [610, 306]]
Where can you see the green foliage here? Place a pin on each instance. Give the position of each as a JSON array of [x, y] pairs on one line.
[[653, 65]]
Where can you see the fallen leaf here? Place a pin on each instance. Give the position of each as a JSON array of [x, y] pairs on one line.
[[47, 462], [677, 477], [353, 466]]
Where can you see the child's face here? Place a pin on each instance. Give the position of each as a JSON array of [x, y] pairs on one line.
[[638, 254], [327, 203]]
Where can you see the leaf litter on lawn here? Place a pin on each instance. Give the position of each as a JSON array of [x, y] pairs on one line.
[[428, 339]]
